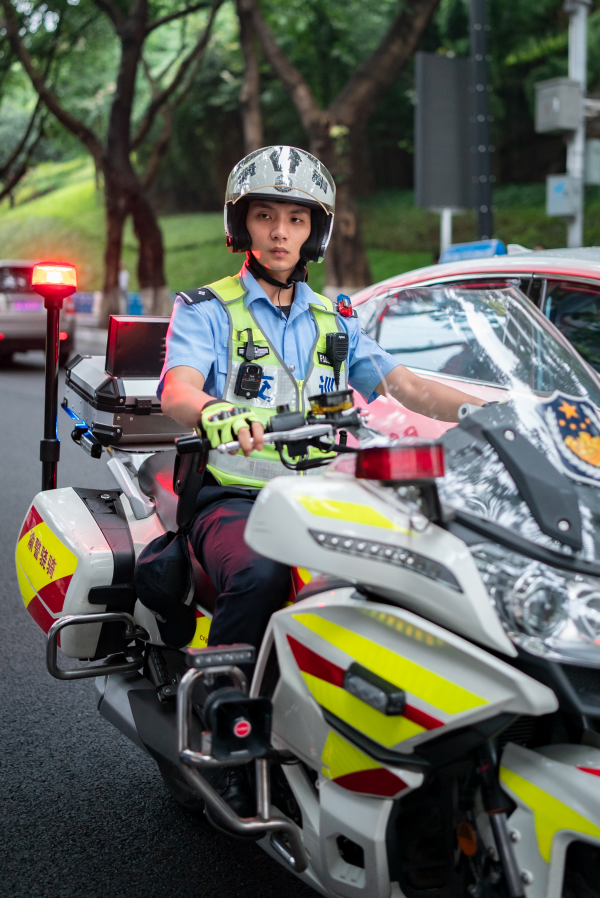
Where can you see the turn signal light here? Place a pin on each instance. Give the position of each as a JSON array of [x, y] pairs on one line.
[[408, 463], [48, 274]]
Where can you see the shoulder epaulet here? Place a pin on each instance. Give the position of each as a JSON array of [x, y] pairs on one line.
[[202, 294]]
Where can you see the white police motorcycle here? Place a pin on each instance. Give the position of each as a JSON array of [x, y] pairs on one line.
[[424, 715]]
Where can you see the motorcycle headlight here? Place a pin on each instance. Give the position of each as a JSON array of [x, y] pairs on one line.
[[544, 610]]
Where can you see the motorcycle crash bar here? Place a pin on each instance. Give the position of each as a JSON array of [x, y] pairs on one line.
[[264, 824], [109, 665]]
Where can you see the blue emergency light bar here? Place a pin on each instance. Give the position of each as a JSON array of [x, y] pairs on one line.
[[479, 249]]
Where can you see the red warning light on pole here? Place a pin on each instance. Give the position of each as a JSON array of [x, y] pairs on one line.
[[49, 274], [54, 281]]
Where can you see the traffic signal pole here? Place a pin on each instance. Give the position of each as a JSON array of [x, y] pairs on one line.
[[478, 30], [578, 13]]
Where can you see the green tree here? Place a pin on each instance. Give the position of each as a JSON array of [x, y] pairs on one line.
[[354, 54], [115, 120]]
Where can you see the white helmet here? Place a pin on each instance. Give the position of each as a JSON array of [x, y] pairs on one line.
[[283, 174]]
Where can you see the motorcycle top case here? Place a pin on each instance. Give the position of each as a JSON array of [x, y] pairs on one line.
[[116, 395], [75, 555]]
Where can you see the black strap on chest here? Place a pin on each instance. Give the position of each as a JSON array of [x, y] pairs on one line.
[[192, 297]]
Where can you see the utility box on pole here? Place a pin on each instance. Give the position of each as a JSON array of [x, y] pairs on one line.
[[557, 102], [592, 161], [563, 195]]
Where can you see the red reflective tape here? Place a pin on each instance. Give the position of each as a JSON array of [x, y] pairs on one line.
[[595, 771], [40, 614], [32, 520], [422, 718], [311, 663], [53, 594], [374, 782]]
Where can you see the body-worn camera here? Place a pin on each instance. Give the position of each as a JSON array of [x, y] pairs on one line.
[[249, 376]]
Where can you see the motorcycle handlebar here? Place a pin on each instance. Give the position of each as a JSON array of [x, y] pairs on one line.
[[309, 431]]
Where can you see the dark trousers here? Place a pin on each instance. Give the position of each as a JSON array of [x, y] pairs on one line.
[[250, 587]]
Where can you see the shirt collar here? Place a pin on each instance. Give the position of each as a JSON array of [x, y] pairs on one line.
[[305, 296]]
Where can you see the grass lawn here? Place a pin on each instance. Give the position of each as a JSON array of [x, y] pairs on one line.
[[59, 215]]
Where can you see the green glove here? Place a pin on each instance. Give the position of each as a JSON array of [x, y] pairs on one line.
[[220, 421]]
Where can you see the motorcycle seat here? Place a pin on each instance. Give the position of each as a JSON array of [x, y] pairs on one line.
[[155, 479]]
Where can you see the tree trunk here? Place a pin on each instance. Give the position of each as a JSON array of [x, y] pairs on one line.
[[118, 168], [115, 217], [250, 92], [151, 276], [346, 264]]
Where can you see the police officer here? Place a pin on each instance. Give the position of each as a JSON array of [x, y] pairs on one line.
[[279, 210]]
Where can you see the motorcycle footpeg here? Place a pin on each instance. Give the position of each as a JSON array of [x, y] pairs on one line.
[[167, 692]]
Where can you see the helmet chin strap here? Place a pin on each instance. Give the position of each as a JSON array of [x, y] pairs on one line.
[[299, 273]]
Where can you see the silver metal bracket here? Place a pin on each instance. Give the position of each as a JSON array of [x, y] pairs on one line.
[[264, 824], [141, 506], [81, 673]]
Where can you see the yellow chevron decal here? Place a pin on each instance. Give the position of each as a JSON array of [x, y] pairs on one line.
[[43, 557], [349, 511], [440, 693], [550, 814], [27, 590], [341, 757], [386, 730]]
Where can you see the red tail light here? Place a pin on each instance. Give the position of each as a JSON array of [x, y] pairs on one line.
[[63, 335], [425, 462]]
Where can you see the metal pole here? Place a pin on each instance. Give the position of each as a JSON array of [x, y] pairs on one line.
[[50, 445], [578, 13], [480, 87], [445, 229]]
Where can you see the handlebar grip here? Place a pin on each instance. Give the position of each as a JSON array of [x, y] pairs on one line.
[[289, 436]]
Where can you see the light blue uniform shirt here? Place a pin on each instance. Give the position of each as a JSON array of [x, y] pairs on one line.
[[198, 337]]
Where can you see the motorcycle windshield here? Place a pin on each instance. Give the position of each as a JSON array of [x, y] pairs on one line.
[[496, 337]]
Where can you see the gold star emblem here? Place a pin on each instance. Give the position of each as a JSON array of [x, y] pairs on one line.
[[569, 411]]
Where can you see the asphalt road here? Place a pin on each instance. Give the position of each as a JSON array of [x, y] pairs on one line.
[[83, 812]]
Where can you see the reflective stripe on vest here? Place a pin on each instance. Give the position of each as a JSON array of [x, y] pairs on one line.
[[278, 385]]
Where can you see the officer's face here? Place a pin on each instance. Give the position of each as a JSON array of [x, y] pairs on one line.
[[278, 231]]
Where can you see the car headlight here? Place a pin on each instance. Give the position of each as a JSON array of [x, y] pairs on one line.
[[544, 610]]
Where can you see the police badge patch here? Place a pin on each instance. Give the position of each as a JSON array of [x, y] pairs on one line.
[[575, 428]]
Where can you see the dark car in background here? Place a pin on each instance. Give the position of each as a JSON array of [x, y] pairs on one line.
[[22, 313]]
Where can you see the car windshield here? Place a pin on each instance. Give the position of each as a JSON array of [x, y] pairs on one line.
[[490, 335], [15, 279]]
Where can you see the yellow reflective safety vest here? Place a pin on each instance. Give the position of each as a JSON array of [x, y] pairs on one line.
[[283, 387]]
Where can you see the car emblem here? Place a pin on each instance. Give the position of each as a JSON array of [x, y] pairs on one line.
[[575, 428]]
